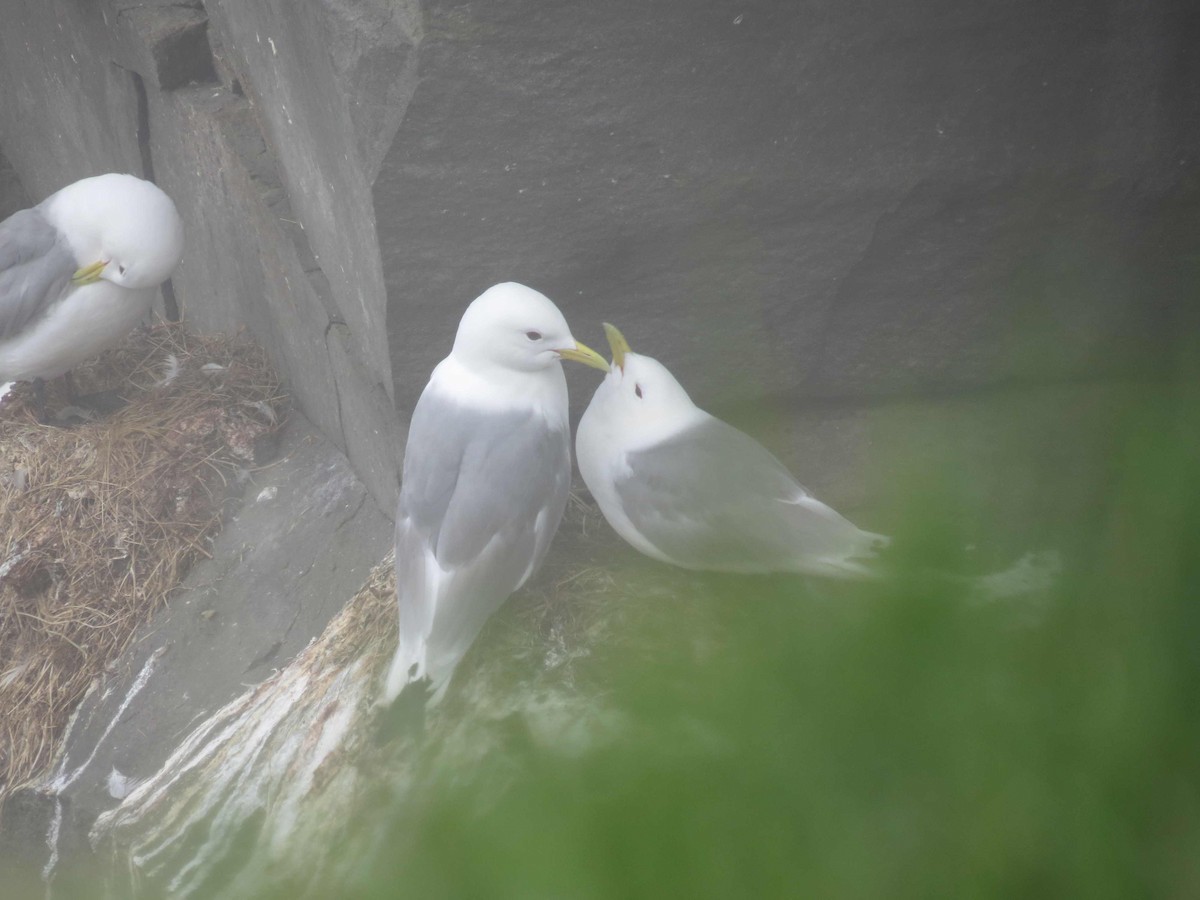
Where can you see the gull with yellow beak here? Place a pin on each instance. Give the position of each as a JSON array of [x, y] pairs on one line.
[[79, 271], [687, 489], [486, 474]]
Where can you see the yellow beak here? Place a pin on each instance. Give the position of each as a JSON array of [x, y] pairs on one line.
[[617, 342], [89, 274], [586, 355]]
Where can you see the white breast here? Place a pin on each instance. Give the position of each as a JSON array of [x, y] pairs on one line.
[[543, 391], [89, 320], [601, 450]]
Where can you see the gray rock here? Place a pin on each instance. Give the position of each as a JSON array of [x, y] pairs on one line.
[[265, 123], [12, 195], [804, 202], [302, 540]]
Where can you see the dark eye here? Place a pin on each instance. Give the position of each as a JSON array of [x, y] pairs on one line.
[[121, 268], [637, 389], [534, 335]]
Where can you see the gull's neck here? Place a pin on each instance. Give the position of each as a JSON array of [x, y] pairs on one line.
[[628, 429], [498, 389], [652, 431], [78, 235]]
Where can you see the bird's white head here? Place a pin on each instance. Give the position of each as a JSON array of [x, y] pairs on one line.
[[640, 397], [122, 229], [511, 328]]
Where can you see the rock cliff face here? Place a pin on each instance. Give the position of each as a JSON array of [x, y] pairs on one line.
[[836, 209], [266, 123], [805, 203]]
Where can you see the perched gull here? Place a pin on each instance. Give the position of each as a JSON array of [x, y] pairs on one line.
[[79, 271], [686, 488], [486, 473]]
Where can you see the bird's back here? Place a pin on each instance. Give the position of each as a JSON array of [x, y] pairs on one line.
[[482, 496], [36, 265]]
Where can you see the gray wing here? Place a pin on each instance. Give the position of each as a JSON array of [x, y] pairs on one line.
[[481, 499], [713, 498], [36, 265]]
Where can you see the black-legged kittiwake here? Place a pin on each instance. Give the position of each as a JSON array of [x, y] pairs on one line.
[[79, 271], [685, 488], [486, 474]]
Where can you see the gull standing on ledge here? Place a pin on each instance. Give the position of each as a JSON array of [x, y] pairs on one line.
[[687, 489], [80, 270], [486, 473]]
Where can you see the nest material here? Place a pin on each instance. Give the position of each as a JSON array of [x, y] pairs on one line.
[[98, 522]]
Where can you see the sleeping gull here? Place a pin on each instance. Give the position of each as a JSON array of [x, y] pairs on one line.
[[486, 473], [79, 271], [686, 488]]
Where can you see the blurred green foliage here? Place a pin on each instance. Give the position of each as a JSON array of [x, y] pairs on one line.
[[775, 737], [880, 740]]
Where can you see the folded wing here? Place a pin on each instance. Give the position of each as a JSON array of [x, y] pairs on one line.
[[35, 269], [713, 498], [482, 496]]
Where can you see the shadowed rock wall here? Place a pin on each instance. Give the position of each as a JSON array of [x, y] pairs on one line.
[[809, 211], [809, 201]]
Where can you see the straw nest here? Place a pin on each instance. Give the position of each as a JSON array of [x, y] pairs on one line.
[[99, 521]]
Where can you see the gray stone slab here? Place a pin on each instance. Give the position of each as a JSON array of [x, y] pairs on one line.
[[12, 194], [266, 123], [806, 201], [302, 541]]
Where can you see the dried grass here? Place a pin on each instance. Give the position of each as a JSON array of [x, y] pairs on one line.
[[98, 522]]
